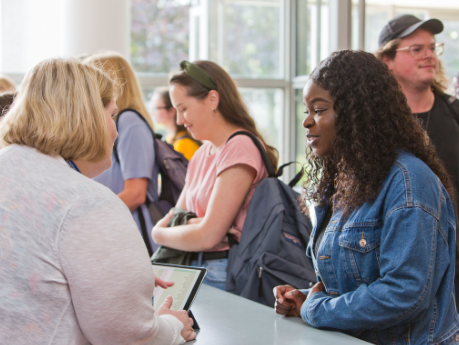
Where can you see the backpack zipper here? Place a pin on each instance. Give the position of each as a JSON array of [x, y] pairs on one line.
[[260, 288]]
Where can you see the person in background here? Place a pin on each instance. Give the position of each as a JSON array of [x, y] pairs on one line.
[[6, 84], [164, 113], [383, 246], [6, 99], [222, 175], [408, 47], [74, 269], [134, 175]]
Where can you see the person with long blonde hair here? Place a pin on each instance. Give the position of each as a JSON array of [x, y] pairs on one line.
[[74, 269], [222, 175], [133, 175], [6, 84]]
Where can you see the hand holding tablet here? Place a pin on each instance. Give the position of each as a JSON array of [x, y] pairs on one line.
[[187, 281]]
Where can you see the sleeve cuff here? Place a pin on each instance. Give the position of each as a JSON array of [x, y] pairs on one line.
[[310, 304], [177, 326]]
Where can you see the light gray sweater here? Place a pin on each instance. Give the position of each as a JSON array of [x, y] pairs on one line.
[[73, 266]]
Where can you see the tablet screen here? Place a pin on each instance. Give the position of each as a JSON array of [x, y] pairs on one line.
[[187, 281]]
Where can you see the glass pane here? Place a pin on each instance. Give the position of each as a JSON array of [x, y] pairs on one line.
[[450, 57], [265, 106], [300, 134], [245, 37], [355, 24], [311, 34], [375, 19], [159, 34]]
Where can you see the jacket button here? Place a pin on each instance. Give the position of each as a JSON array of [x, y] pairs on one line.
[[363, 242]]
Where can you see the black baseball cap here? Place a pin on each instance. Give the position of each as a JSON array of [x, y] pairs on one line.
[[404, 25]]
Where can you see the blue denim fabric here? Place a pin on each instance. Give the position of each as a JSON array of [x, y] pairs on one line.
[[388, 267], [216, 271]]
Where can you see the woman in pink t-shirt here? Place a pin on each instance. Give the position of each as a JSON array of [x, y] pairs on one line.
[[222, 175]]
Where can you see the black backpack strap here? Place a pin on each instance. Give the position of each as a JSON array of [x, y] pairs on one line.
[[263, 153], [143, 226], [453, 105], [144, 231], [297, 177], [115, 145], [267, 161]]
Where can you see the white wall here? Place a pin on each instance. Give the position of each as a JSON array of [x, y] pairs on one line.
[[32, 30]]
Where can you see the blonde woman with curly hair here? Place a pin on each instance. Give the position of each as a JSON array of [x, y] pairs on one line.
[[133, 175], [74, 268]]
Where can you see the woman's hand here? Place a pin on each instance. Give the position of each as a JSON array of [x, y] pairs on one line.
[[187, 332], [288, 300], [162, 283], [318, 287]]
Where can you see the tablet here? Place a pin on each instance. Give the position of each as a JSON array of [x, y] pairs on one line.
[[187, 282]]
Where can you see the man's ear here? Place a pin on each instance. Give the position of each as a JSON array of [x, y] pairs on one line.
[[214, 99], [387, 61]]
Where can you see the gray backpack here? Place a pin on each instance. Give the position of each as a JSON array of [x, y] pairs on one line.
[[272, 249]]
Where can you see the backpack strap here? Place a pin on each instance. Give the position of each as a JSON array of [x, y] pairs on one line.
[[453, 105], [263, 153], [267, 161], [143, 226], [115, 145]]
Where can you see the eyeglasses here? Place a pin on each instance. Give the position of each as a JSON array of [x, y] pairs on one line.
[[418, 51]]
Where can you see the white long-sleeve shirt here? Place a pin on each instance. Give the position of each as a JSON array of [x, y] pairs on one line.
[[73, 267]]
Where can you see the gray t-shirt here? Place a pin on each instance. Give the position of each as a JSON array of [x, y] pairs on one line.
[[73, 266], [137, 160]]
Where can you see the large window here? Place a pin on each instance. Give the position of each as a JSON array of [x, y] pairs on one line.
[[159, 34], [245, 37]]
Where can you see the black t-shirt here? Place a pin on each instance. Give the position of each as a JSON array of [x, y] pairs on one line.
[[443, 130]]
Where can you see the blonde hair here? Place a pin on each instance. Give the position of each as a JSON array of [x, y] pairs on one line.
[[439, 84], [131, 96], [6, 84], [60, 110]]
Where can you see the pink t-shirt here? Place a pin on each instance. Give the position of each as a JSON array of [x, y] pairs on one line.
[[204, 169]]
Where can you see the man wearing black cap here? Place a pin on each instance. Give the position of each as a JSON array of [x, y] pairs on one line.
[[407, 45]]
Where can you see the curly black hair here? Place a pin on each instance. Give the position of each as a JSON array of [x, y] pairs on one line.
[[373, 122]]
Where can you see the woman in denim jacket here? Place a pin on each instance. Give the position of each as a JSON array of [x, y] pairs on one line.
[[384, 242]]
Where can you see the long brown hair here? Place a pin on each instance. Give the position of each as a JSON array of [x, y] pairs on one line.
[[231, 105]]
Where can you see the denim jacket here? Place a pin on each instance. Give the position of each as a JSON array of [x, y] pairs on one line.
[[388, 267]]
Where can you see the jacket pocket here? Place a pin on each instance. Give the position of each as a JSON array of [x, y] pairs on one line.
[[359, 252]]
